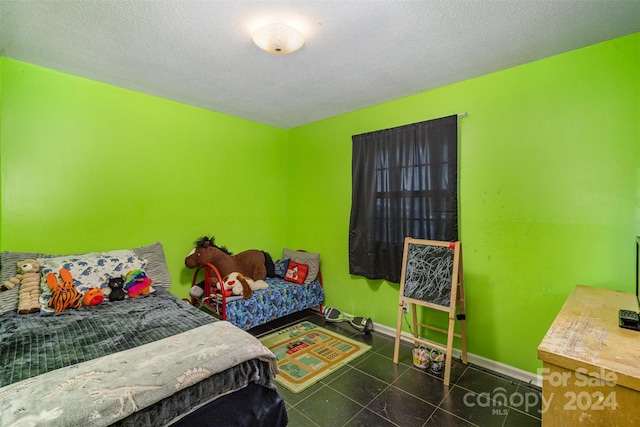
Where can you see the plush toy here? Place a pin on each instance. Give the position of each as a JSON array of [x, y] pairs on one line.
[[236, 284], [93, 296], [196, 291], [15, 280], [28, 278], [257, 284], [11, 283], [117, 293], [137, 283], [254, 263], [63, 294]]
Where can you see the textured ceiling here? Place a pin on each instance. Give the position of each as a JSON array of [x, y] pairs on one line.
[[357, 53]]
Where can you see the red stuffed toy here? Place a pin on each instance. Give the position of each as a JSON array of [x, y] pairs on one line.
[[93, 296]]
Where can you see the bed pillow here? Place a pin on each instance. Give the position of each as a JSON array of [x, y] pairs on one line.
[[156, 264], [280, 267], [309, 258], [296, 272], [92, 270], [156, 269]]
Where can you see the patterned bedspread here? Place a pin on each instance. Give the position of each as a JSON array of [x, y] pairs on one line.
[[279, 299], [98, 365]]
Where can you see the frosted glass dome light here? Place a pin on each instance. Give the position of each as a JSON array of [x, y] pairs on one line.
[[278, 39]]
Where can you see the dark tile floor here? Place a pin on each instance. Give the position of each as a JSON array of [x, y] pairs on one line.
[[372, 391]]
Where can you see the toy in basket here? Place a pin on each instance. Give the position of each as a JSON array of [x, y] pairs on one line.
[[421, 357], [425, 357], [436, 360]]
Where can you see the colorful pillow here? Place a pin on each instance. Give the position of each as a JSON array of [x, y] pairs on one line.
[[281, 267], [309, 258], [91, 270], [296, 272]]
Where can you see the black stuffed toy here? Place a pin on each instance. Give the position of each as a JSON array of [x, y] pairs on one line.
[[117, 293]]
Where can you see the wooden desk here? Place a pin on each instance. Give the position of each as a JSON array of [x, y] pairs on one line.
[[591, 366]]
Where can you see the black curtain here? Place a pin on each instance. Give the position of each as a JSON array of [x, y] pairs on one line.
[[404, 184]]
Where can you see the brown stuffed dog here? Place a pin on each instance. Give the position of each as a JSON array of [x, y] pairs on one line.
[[237, 284]]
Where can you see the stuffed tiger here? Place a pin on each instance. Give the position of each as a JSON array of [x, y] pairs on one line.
[[63, 294]]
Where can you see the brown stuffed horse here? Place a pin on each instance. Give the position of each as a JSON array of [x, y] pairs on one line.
[[253, 263]]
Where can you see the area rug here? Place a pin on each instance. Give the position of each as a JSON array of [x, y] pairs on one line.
[[307, 353]]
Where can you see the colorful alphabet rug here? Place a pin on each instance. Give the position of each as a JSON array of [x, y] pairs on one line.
[[307, 353]]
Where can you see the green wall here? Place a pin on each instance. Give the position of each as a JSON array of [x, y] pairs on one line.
[[1, 174], [549, 183], [87, 166], [549, 166]]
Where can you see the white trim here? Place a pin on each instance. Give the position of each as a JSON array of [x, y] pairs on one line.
[[483, 362]]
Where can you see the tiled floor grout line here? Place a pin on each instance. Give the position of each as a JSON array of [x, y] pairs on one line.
[[310, 420], [521, 411], [451, 386], [395, 424], [308, 397], [509, 407], [366, 408], [354, 416], [454, 415], [439, 405], [347, 397]]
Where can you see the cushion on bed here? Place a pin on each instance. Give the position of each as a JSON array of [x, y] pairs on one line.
[[296, 272], [280, 267], [156, 264], [309, 258]]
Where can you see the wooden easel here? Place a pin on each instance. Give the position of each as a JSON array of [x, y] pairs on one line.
[[430, 270]]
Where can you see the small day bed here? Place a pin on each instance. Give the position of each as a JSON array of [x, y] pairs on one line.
[[153, 360], [283, 296]]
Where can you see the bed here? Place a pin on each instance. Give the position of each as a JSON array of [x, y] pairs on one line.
[[147, 361], [280, 298]]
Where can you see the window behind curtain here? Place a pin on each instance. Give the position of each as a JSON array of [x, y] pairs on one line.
[[404, 184]]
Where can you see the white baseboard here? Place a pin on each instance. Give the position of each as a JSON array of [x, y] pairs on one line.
[[483, 362]]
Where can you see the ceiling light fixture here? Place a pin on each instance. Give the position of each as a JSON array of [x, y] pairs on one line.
[[278, 38]]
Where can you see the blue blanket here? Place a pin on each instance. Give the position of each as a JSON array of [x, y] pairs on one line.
[[279, 299]]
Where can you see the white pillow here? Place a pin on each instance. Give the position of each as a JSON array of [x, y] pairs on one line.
[[92, 270]]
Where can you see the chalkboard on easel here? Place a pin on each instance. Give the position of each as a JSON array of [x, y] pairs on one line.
[[432, 277], [429, 270]]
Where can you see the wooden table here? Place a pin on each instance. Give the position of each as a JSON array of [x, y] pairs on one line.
[[591, 366]]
